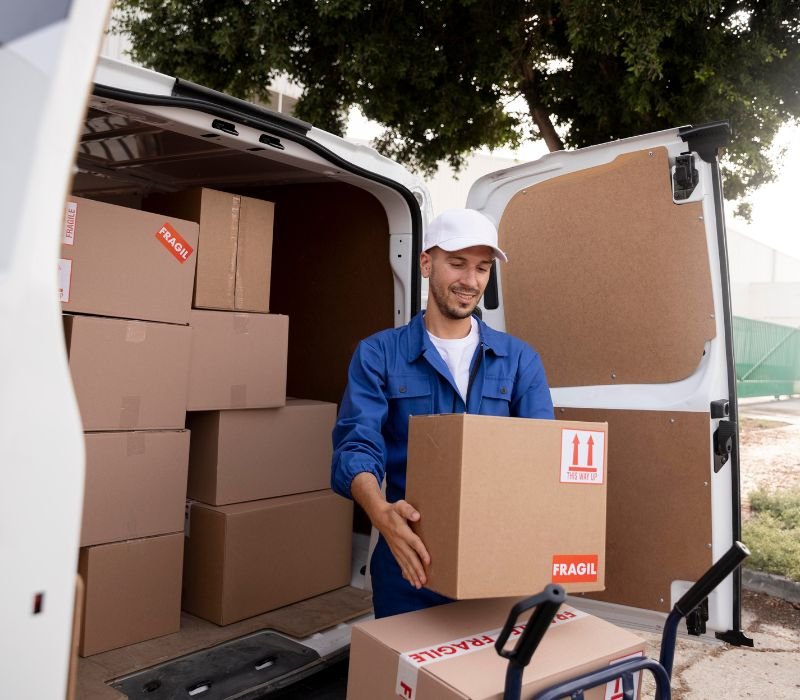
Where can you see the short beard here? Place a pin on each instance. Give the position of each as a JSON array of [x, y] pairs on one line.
[[453, 314]]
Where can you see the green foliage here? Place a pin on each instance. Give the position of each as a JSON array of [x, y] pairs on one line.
[[773, 532], [439, 74]]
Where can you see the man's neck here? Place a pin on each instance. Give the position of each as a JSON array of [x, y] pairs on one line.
[[447, 328]]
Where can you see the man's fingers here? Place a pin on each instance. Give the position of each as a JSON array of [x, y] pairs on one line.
[[421, 551], [406, 510]]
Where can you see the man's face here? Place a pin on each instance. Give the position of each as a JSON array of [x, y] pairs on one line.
[[457, 280]]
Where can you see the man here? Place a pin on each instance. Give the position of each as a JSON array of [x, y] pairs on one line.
[[445, 360]]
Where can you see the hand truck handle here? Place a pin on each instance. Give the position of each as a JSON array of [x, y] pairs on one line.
[[712, 578], [547, 604]]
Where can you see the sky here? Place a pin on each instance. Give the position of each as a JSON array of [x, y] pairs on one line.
[[776, 207]]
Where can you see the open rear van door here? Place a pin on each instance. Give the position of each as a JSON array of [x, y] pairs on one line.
[[618, 277], [48, 51]]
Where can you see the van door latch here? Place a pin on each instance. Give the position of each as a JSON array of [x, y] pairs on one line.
[[724, 436], [685, 177], [696, 620]]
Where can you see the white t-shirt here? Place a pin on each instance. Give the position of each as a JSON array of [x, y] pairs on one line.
[[457, 354]]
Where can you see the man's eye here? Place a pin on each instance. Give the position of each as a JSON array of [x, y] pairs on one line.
[[484, 270]]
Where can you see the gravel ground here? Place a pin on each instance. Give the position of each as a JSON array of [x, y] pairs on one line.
[[769, 452]]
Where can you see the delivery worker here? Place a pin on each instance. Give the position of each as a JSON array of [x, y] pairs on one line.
[[446, 360]]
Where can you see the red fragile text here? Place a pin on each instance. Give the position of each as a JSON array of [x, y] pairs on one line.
[[174, 243]]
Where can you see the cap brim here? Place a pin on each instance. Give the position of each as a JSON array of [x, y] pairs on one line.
[[453, 244]]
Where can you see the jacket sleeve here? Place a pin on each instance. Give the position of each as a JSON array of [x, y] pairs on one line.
[[358, 443], [532, 394]]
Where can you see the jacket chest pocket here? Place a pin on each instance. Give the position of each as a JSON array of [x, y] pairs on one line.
[[408, 395], [496, 398]]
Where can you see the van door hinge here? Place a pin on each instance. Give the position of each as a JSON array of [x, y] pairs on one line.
[[685, 177], [724, 436]]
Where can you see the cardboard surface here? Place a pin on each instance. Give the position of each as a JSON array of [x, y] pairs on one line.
[[249, 558], [238, 360], [128, 375], [509, 504], [123, 262], [133, 591], [659, 502], [135, 485], [248, 455], [450, 653], [625, 297], [234, 255]]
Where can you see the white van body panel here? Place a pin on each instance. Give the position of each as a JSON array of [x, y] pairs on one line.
[[46, 76]]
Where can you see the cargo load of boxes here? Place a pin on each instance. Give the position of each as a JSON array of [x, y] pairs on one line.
[[206, 487]]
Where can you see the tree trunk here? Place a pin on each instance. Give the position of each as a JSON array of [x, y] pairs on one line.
[[529, 86]]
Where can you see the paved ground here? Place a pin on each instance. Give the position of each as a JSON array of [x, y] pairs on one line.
[[770, 455]]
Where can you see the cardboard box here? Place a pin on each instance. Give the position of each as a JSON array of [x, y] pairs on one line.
[[133, 591], [248, 455], [234, 255], [448, 653], [237, 360], [128, 375], [509, 504], [249, 558], [135, 485], [123, 262]]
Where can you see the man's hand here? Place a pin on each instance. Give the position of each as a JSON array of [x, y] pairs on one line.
[[392, 521]]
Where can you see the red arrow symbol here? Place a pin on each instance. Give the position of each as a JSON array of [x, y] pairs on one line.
[[575, 443], [589, 458]]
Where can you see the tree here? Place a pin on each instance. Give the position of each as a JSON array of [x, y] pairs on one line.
[[441, 75]]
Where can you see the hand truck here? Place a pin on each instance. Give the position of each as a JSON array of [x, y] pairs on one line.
[[546, 606]]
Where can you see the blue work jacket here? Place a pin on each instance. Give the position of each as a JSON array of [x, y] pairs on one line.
[[398, 373]]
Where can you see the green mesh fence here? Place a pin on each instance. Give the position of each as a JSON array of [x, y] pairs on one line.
[[767, 358]]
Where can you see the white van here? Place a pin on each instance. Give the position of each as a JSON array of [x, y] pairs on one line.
[[618, 276]]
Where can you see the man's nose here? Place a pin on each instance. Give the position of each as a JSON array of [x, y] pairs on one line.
[[469, 277]]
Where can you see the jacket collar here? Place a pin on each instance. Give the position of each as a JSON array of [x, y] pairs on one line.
[[419, 342]]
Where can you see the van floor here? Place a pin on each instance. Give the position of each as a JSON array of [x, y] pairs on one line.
[[330, 684], [298, 621]]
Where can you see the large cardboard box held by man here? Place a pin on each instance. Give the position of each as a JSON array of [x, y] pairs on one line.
[[509, 504], [123, 262], [234, 256], [448, 653], [238, 360], [253, 454], [249, 558], [135, 484], [133, 591], [128, 375]]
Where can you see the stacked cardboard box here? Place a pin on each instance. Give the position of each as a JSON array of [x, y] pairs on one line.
[[262, 529], [126, 283]]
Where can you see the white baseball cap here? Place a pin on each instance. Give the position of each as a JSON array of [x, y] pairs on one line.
[[456, 229]]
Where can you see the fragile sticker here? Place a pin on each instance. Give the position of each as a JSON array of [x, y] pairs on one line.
[[70, 219], [64, 279], [582, 456], [614, 690], [409, 663], [174, 243], [575, 568]]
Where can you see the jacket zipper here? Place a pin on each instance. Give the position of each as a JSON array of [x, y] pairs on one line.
[[472, 376]]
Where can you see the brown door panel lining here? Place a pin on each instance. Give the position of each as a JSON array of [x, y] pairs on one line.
[[659, 502], [609, 279]]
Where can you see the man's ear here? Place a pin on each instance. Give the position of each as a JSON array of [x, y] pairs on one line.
[[425, 262]]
